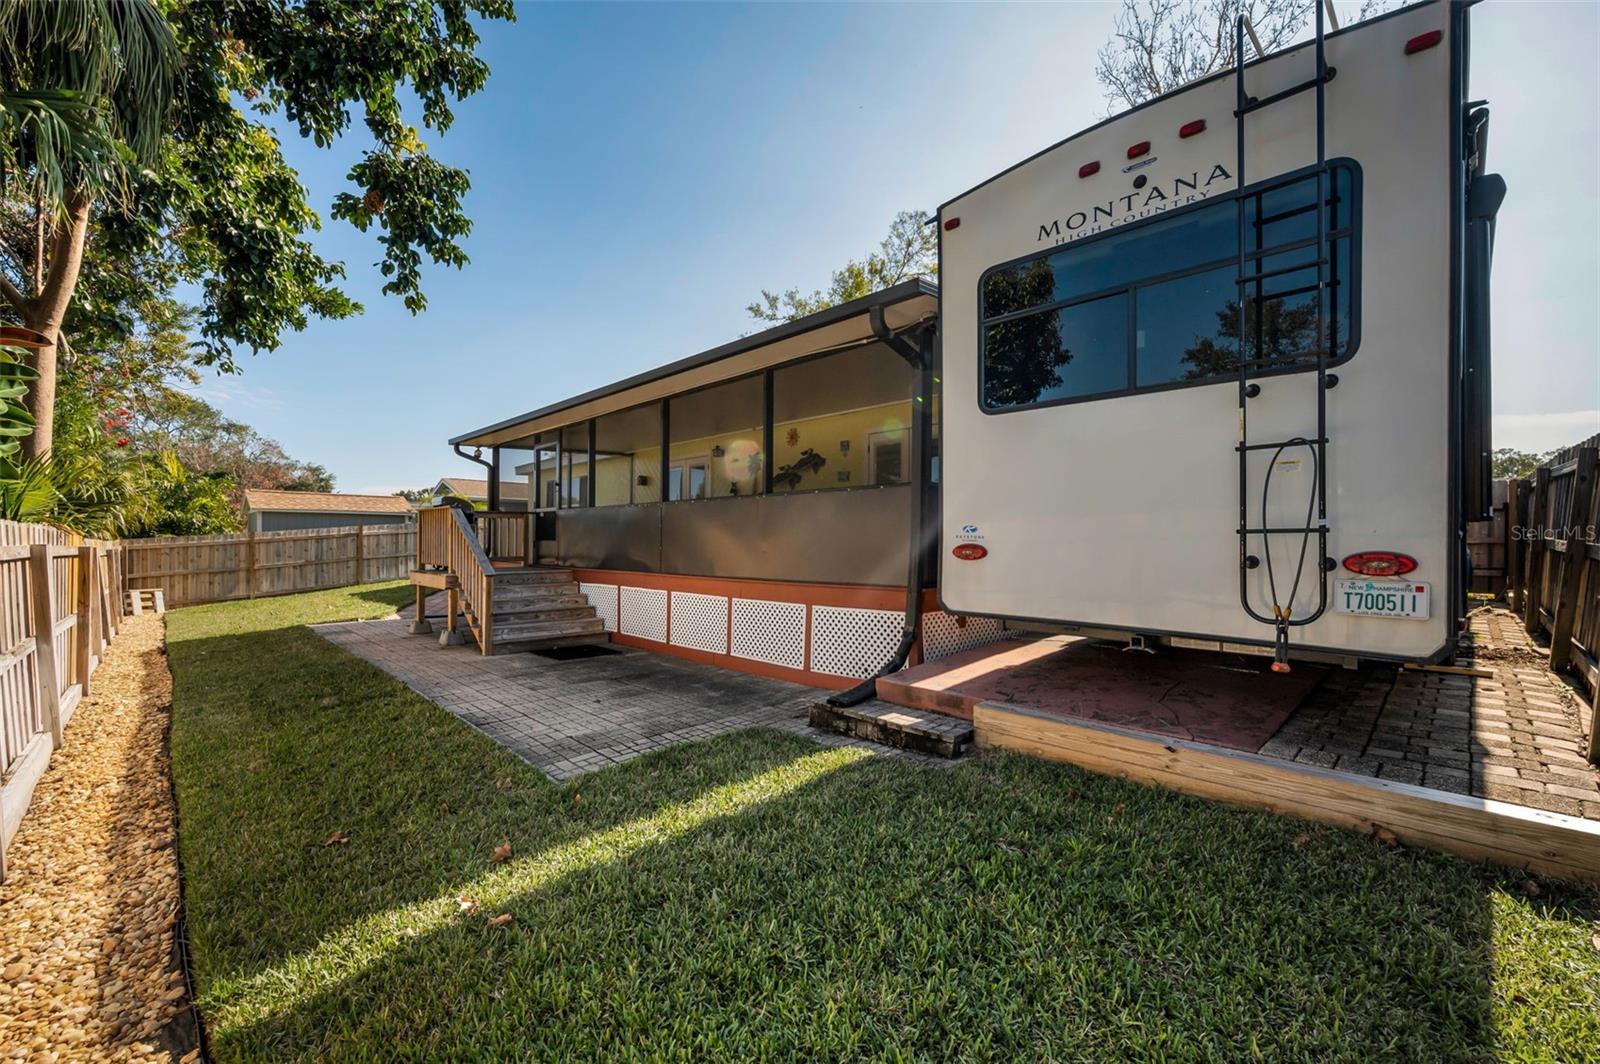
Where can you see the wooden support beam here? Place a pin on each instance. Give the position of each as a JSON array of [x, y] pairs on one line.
[[361, 567], [1580, 512], [41, 592], [419, 623], [1479, 828]]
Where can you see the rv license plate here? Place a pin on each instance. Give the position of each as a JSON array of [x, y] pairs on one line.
[[1406, 599]]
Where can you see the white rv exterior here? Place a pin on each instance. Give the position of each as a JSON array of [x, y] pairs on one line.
[[1106, 497]]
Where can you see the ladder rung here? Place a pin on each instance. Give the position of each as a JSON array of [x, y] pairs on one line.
[[1321, 530], [1280, 271], [1295, 362], [1292, 90], [1279, 443]]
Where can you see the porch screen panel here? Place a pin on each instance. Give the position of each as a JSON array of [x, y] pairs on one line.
[[516, 467], [716, 446], [543, 472], [627, 456], [843, 421], [575, 466]]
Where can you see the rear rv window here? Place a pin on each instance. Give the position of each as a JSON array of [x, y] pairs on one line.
[[1156, 305]]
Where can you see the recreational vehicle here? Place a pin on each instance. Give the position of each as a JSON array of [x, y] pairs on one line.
[[1203, 374], [1216, 369]]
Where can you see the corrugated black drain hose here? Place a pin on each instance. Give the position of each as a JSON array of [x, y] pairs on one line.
[[1281, 612]]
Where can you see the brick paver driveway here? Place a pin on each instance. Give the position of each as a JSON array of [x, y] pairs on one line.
[[570, 717]]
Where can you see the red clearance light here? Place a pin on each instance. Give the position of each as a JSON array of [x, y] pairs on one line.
[[1141, 148], [1424, 42], [1189, 129], [952, 223], [969, 552], [1380, 563], [1089, 169]]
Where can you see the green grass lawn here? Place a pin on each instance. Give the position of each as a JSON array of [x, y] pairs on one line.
[[757, 895]]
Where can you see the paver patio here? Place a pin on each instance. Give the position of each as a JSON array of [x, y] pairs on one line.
[[1515, 736], [568, 717]]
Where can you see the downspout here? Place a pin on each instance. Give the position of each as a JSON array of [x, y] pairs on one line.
[[489, 468], [919, 356]]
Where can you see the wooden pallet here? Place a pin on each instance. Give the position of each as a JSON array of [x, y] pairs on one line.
[[147, 600]]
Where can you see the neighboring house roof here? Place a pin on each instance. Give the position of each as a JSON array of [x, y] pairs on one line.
[[258, 499], [479, 489]]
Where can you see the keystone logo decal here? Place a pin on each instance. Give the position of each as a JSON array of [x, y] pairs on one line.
[[1134, 207]]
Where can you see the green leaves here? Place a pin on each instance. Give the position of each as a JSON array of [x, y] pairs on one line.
[[84, 92], [416, 200], [910, 250], [15, 421]]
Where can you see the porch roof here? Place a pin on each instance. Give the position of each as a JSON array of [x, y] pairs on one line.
[[903, 305]]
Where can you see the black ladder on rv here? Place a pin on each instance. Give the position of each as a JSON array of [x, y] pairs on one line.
[[1252, 300]]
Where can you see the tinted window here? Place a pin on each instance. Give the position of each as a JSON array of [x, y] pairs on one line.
[[1064, 353], [1057, 325]]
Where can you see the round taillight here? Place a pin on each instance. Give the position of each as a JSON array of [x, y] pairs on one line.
[[1380, 563], [969, 552]]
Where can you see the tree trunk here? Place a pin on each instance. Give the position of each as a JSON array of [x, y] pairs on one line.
[[45, 312]]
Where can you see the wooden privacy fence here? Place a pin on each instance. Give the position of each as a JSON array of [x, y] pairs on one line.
[[195, 569], [1554, 565], [59, 607]]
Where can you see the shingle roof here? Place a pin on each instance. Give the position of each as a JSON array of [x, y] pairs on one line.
[[479, 489], [324, 502]]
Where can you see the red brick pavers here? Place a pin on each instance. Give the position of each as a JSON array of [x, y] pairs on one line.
[[1515, 736]]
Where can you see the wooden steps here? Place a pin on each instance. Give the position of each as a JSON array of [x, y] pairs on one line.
[[540, 609]]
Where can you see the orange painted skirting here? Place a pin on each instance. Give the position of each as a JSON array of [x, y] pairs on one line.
[[846, 595]]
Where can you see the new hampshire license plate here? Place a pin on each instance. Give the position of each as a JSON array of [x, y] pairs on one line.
[[1406, 599]]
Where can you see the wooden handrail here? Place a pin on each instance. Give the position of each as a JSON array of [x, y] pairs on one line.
[[504, 534]]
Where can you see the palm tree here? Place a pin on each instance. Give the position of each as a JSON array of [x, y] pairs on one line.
[[84, 90]]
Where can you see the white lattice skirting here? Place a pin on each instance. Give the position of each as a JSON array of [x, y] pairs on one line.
[[603, 597], [849, 641], [644, 613], [700, 622], [944, 634], [773, 632]]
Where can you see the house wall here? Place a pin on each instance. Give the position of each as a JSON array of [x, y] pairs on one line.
[[287, 520]]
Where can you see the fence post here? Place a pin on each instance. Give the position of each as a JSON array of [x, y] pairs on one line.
[[250, 563], [1536, 550], [86, 643], [41, 589], [1573, 558], [361, 570], [1516, 542]]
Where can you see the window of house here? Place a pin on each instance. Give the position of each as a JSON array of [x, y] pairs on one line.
[[716, 445], [1157, 305], [627, 456], [842, 421]]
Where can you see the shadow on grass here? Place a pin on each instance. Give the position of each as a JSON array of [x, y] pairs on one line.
[[281, 739], [756, 896], [865, 907]]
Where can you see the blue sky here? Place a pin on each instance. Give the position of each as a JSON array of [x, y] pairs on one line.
[[641, 172]]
